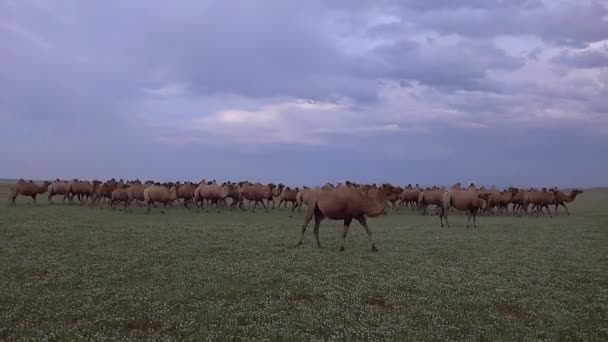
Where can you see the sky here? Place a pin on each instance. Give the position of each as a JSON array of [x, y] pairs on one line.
[[506, 92]]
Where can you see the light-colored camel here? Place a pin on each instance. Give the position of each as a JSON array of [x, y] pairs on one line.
[[469, 200], [276, 192], [28, 189], [305, 196], [561, 199], [136, 193], [58, 188], [345, 204], [159, 194], [428, 197], [212, 193]]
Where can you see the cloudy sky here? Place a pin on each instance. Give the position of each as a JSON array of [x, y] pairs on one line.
[[427, 91]]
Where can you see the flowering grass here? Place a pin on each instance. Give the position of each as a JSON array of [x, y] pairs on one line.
[[74, 273]]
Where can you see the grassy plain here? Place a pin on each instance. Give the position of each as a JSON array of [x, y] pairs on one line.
[[73, 273]]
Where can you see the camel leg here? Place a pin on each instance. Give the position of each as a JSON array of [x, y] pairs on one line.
[[318, 218], [307, 219], [265, 206], [347, 222], [293, 208], [564, 205], [363, 222], [474, 214], [443, 214]]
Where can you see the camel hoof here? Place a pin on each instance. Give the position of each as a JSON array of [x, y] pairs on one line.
[[342, 249]]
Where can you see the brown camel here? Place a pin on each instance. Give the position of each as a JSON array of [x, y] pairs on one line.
[[120, 194], [257, 193], [469, 200], [58, 188], [410, 196], [289, 195], [539, 200], [29, 189], [561, 199], [345, 204], [186, 192]]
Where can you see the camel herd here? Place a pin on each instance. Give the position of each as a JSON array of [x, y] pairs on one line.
[[344, 201]]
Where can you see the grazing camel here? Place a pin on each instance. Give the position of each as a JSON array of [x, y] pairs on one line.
[[561, 199], [469, 200], [29, 189], [345, 204]]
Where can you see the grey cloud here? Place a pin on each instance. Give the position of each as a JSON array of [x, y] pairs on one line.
[[460, 65], [595, 58], [571, 23]]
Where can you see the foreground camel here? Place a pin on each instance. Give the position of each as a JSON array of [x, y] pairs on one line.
[[345, 204], [28, 189], [469, 200], [561, 199]]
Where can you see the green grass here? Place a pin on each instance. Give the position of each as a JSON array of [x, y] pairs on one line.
[[75, 273]]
